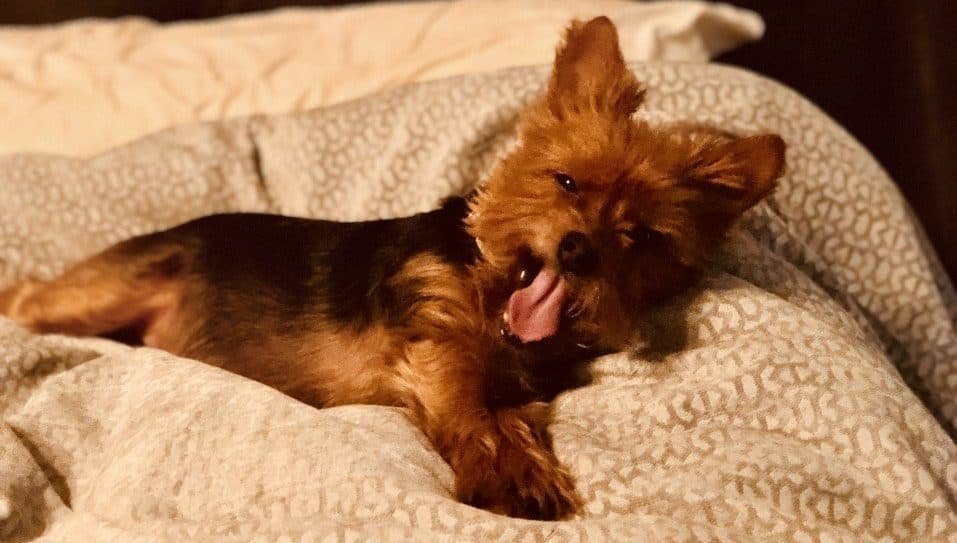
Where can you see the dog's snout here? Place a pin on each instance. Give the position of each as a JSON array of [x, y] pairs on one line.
[[576, 253]]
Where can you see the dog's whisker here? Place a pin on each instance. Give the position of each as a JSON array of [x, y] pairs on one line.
[[575, 310]]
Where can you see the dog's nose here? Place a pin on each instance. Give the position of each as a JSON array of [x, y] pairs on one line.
[[576, 254]]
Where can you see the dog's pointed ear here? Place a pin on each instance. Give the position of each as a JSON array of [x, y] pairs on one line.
[[738, 173], [590, 72]]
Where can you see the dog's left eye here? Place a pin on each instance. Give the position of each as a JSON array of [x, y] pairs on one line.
[[566, 182]]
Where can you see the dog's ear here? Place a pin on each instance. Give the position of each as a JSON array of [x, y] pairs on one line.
[[590, 72], [737, 174]]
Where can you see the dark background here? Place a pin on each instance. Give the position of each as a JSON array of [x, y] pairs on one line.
[[885, 70]]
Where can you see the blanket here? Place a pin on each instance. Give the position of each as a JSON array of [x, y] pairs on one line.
[[811, 396]]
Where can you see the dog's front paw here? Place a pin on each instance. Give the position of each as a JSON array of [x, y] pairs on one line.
[[525, 484]]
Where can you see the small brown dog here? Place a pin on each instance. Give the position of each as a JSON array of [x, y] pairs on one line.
[[472, 316]]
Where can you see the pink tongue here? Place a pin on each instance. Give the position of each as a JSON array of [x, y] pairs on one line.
[[534, 311]]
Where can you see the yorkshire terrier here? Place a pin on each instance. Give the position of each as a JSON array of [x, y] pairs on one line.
[[473, 315]]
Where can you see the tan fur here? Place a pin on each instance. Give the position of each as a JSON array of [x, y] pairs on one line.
[[92, 299]]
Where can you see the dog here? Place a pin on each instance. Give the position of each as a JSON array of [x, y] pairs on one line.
[[472, 316]]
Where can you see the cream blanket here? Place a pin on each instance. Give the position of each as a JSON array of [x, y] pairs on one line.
[[84, 87], [784, 417]]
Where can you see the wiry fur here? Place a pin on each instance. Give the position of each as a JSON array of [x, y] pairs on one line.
[[409, 312]]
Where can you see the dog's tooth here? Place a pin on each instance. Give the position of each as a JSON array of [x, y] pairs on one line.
[[505, 317]]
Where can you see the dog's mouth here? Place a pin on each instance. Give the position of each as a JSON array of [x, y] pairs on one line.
[[534, 312], [542, 307]]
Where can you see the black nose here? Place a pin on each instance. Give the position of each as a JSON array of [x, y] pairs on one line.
[[576, 254]]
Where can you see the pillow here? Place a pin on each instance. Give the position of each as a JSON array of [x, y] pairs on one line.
[[82, 87]]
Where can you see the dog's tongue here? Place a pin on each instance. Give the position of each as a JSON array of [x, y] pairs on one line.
[[534, 311]]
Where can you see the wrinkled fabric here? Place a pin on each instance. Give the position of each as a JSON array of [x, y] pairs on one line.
[[810, 398], [83, 87]]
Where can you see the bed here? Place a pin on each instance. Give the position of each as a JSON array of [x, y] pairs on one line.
[[809, 394]]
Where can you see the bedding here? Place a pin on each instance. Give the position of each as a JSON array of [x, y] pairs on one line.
[[811, 397], [85, 86]]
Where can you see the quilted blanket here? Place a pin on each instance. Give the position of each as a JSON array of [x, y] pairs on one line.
[[810, 395]]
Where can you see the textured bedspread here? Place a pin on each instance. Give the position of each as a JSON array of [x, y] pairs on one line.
[[813, 399]]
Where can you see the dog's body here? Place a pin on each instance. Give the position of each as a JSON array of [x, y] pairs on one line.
[[266, 291], [472, 315], [257, 294]]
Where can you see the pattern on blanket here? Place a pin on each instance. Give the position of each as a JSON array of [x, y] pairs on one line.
[[783, 416]]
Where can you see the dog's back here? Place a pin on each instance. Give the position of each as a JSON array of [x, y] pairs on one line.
[[277, 299]]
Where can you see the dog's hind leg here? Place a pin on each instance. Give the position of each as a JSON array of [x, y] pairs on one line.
[[129, 285]]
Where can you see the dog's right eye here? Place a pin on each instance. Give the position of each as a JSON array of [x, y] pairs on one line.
[[640, 236], [566, 182]]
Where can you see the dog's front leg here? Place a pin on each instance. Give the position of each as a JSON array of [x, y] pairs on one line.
[[504, 466], [500, 457]]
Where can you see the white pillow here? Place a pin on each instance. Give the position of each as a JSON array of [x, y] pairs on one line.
[[82, 87]]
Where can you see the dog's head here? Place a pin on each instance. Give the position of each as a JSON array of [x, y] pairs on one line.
[[595, 215]]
